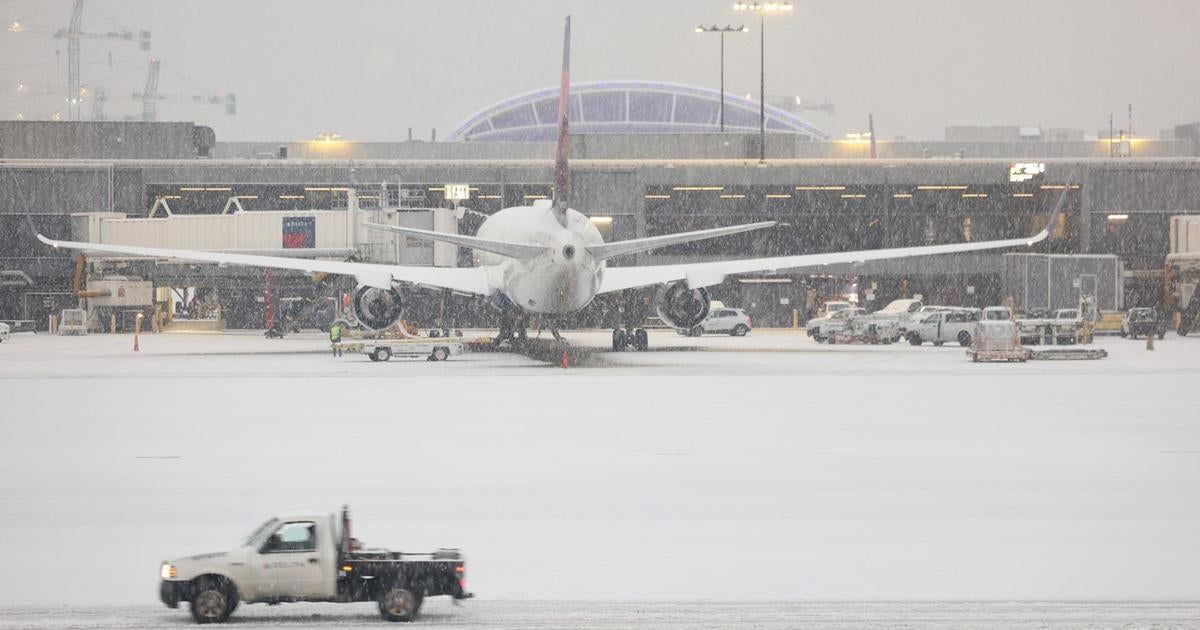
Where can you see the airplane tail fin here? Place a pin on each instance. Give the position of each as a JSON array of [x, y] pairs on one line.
[[604, 251], [562, 173]]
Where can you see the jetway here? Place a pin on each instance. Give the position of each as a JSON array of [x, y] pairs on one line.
[[329, 234]]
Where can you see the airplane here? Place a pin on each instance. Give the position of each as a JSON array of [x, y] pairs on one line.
[[548, 259]]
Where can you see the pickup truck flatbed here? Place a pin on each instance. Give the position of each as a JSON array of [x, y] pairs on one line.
[[309, 558]]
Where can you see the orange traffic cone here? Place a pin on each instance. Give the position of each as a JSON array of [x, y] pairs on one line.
[[135, 343], [564, 359]]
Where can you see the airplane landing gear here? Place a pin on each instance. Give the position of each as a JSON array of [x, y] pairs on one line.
[[635, 338], [513, 329]]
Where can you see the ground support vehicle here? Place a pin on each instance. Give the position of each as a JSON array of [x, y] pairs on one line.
[[1061, 329], [902, 313], [1060, 353], [1143, 322], [836, 323], [997, 340], [432, 349], [721, 320], [310, 558], [870, 330], [940, 326]]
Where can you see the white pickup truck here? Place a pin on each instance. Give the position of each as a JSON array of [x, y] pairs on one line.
[[310, 558], [944, 324]]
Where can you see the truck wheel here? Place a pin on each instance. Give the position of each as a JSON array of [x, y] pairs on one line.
[[1162, 333], [397, 603], [914, 339], [964, 338], [383, 354], [213, 600], [831, 339], [440, 353], [740, 330]]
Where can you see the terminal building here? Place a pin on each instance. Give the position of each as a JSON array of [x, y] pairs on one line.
[[647, 159]]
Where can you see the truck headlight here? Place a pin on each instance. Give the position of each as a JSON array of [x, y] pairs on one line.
[[168, 571]]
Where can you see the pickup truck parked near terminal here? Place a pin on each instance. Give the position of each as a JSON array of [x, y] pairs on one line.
[[310, 558], [1142, 322], [945, 324]]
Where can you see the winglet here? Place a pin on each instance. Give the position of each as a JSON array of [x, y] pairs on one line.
[[562, 173], [1062, 199]]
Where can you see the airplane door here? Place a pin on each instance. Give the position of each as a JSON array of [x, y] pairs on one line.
[[289, 564]]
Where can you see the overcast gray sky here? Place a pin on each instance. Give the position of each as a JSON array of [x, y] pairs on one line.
[[370, 69]]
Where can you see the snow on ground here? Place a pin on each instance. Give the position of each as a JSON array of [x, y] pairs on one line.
[[763, 468]]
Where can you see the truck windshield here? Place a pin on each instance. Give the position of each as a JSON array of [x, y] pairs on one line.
[[258, 532]]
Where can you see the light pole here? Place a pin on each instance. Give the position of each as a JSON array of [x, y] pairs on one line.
[[722, 30], [762, 9]]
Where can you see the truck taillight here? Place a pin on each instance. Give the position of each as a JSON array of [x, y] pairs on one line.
[[460, 569]]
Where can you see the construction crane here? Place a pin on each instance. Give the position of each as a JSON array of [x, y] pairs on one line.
[[73, 33], [150, 96]]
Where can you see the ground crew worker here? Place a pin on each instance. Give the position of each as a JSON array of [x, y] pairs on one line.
[[335, 337]]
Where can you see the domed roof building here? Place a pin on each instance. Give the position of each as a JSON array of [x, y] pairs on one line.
[[625, 107]]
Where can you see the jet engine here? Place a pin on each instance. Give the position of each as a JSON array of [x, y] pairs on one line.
[[377, 308], [682, 307]]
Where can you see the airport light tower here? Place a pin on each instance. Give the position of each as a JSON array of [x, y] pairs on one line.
[[722, 30], [762, 9]]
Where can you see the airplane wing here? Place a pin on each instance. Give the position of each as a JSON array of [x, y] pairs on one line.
[[465, 279], [709, 273]]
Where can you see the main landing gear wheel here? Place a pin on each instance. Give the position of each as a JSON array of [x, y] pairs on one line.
[[398, 603], [214, 601], [641, 340]]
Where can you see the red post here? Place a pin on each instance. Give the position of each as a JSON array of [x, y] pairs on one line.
[[268, 312], [564, 359]]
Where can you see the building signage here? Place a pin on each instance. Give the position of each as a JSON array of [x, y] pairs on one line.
[[299, 232], [1025, 171]]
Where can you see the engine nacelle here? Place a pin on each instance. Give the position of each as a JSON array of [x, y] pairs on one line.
[[681, 307], [376, 308]]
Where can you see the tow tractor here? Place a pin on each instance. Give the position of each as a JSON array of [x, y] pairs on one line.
[[310, 558], [432, 349]]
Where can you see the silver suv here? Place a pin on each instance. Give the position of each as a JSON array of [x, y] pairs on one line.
[[722, 320]]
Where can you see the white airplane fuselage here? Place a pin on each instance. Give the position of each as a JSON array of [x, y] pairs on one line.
[[563, 279]]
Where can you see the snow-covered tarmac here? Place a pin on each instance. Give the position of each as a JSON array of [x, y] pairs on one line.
[[765, 468]]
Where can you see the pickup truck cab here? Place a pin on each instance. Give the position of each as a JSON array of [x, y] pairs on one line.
[[310, 558], [944, 325]]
